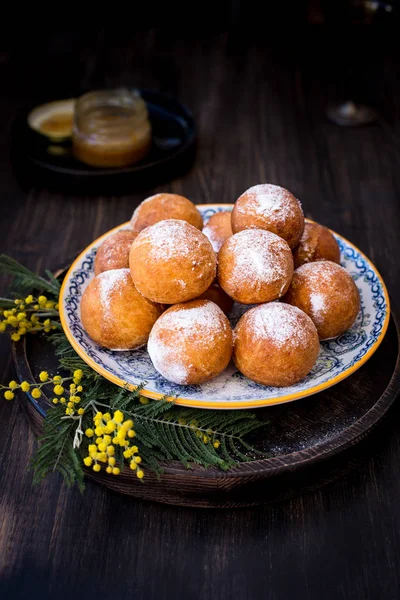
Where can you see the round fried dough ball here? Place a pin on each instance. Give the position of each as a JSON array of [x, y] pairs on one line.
[[327, 293], [218, 229], [216, 294], [172, 262], [113, 253], [255, 266], [191, 343], [275, 344], [316, 243], [165, 206], [269, 207], [113, 312]]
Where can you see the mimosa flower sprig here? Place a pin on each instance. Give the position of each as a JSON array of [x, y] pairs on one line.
[[93, 424], [29, 314], [57, 383]]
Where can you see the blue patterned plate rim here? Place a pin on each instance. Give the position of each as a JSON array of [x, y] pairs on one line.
[[338, 359]]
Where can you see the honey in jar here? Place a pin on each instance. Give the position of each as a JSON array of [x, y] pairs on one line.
[[111, 128]]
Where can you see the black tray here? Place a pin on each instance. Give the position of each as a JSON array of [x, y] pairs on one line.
[[171, 154]]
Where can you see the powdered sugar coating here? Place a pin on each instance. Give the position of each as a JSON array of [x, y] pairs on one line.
[[218, 229], [272, 201], [269, 207], [171, 238], [253, 259], [275, 345], [113, 312], [117, 242], [254, 254], [280, 324], [328, 294], [113, 253], [165, 206], [110, 282], [316, 243], [318, 303], [308, 246], [162, 198], [318, 275], [197, 327], [215, 240], [205, 320], [171, 262]]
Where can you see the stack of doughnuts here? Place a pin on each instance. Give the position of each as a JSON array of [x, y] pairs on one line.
[[170, 281]]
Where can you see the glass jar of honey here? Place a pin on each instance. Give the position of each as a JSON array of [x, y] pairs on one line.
[[111, 128]]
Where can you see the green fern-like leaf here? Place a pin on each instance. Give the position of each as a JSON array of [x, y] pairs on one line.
[[26, 280], [68, 358], [56, 453], [53, 280], [164, 432], [61, 345]]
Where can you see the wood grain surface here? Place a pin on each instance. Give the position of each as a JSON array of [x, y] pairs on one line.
[[259, 106]]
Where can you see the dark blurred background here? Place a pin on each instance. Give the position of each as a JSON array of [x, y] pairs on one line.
[[342, 43], [258, 78]]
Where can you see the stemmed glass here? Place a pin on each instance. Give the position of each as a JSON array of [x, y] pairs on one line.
[[349, 112]]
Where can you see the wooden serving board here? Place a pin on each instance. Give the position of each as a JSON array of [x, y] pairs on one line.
[[310, 441]]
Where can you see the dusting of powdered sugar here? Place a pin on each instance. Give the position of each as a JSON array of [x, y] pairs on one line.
[[119, 242], [215, 239], [171, 238], [206, 320], [149, 199], [199, 325], [218, 229], [270, 201], [317, 277], [280, 323], [317, 303], [305, 243], [258, 257], [110, 282]]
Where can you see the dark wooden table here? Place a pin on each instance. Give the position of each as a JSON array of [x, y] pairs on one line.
[[259, 109]]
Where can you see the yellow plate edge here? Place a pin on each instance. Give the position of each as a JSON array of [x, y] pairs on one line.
[[226, 405]]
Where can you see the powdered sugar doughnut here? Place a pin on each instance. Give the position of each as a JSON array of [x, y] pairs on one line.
[[327, 293], [113, 253], [275, 344], [316, 243], [165, 206], [255, 266], [218, 229], [113, 312], [172, 262], [191, 343], [269, 207]]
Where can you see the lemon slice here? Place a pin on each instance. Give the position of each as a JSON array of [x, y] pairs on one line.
[[54, 119]]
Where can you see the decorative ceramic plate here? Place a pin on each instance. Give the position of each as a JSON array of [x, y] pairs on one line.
[[338, 357]]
